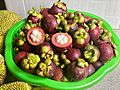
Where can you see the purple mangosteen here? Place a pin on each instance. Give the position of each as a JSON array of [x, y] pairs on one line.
[[97, 64], [72, 54], [91, 69], [58, 75], [94, 32], [58, 7], [77, 70], [80, 38], [49, 22], [106, 52]]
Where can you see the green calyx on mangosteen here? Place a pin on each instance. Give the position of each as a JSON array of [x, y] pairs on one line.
[[80, 38], [91, 53]]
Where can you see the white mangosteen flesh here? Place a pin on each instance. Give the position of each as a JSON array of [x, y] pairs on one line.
[[62, 39]]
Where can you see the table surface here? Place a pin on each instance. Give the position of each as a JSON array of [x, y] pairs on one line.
[[112, 80]]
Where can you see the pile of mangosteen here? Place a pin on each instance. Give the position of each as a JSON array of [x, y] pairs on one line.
[[61, 45]]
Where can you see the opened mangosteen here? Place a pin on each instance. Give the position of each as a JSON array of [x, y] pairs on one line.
[[91, 53], [35, 36], [80, 38], [58, 7], [62, 41], [77, 70]]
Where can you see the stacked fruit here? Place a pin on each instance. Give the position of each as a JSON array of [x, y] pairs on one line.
[[62, 45]]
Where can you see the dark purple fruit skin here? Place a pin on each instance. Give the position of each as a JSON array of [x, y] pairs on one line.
[[81, 45], [26, 47], [55, 10], [91, 69], [20, 55], [53, 69], [97, 64], [72, 54], [72, 28], [99, 41], [49, 23], [34, 19], [76, 73], [94, 33], [58, 75], [106, 52], [45, 11], [46, 44], [62, 49]]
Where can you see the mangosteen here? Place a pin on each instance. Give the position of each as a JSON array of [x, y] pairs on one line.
[[77, 70], [61, 41], [91, 53], [44, 47], [94, 32], [104, 37], [58, 7], [79, 17], [44, 11], [49, 22], [80, 38], [97, 64], [34, 15], [100, 41], [72, 54], [91, 69], [30, 62], [73, 25], [26, 47], [20, 55], [106, 52], [58, 75], [46, 69], [34, 19]]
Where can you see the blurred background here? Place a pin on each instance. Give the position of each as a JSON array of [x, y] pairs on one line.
[[107, 9]]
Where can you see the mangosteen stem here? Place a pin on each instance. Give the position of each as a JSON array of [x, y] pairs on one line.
[[92, 26], [41, 7], [88, 54], [82, 63]]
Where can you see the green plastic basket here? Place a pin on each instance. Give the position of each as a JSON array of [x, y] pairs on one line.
[[41, 81]]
